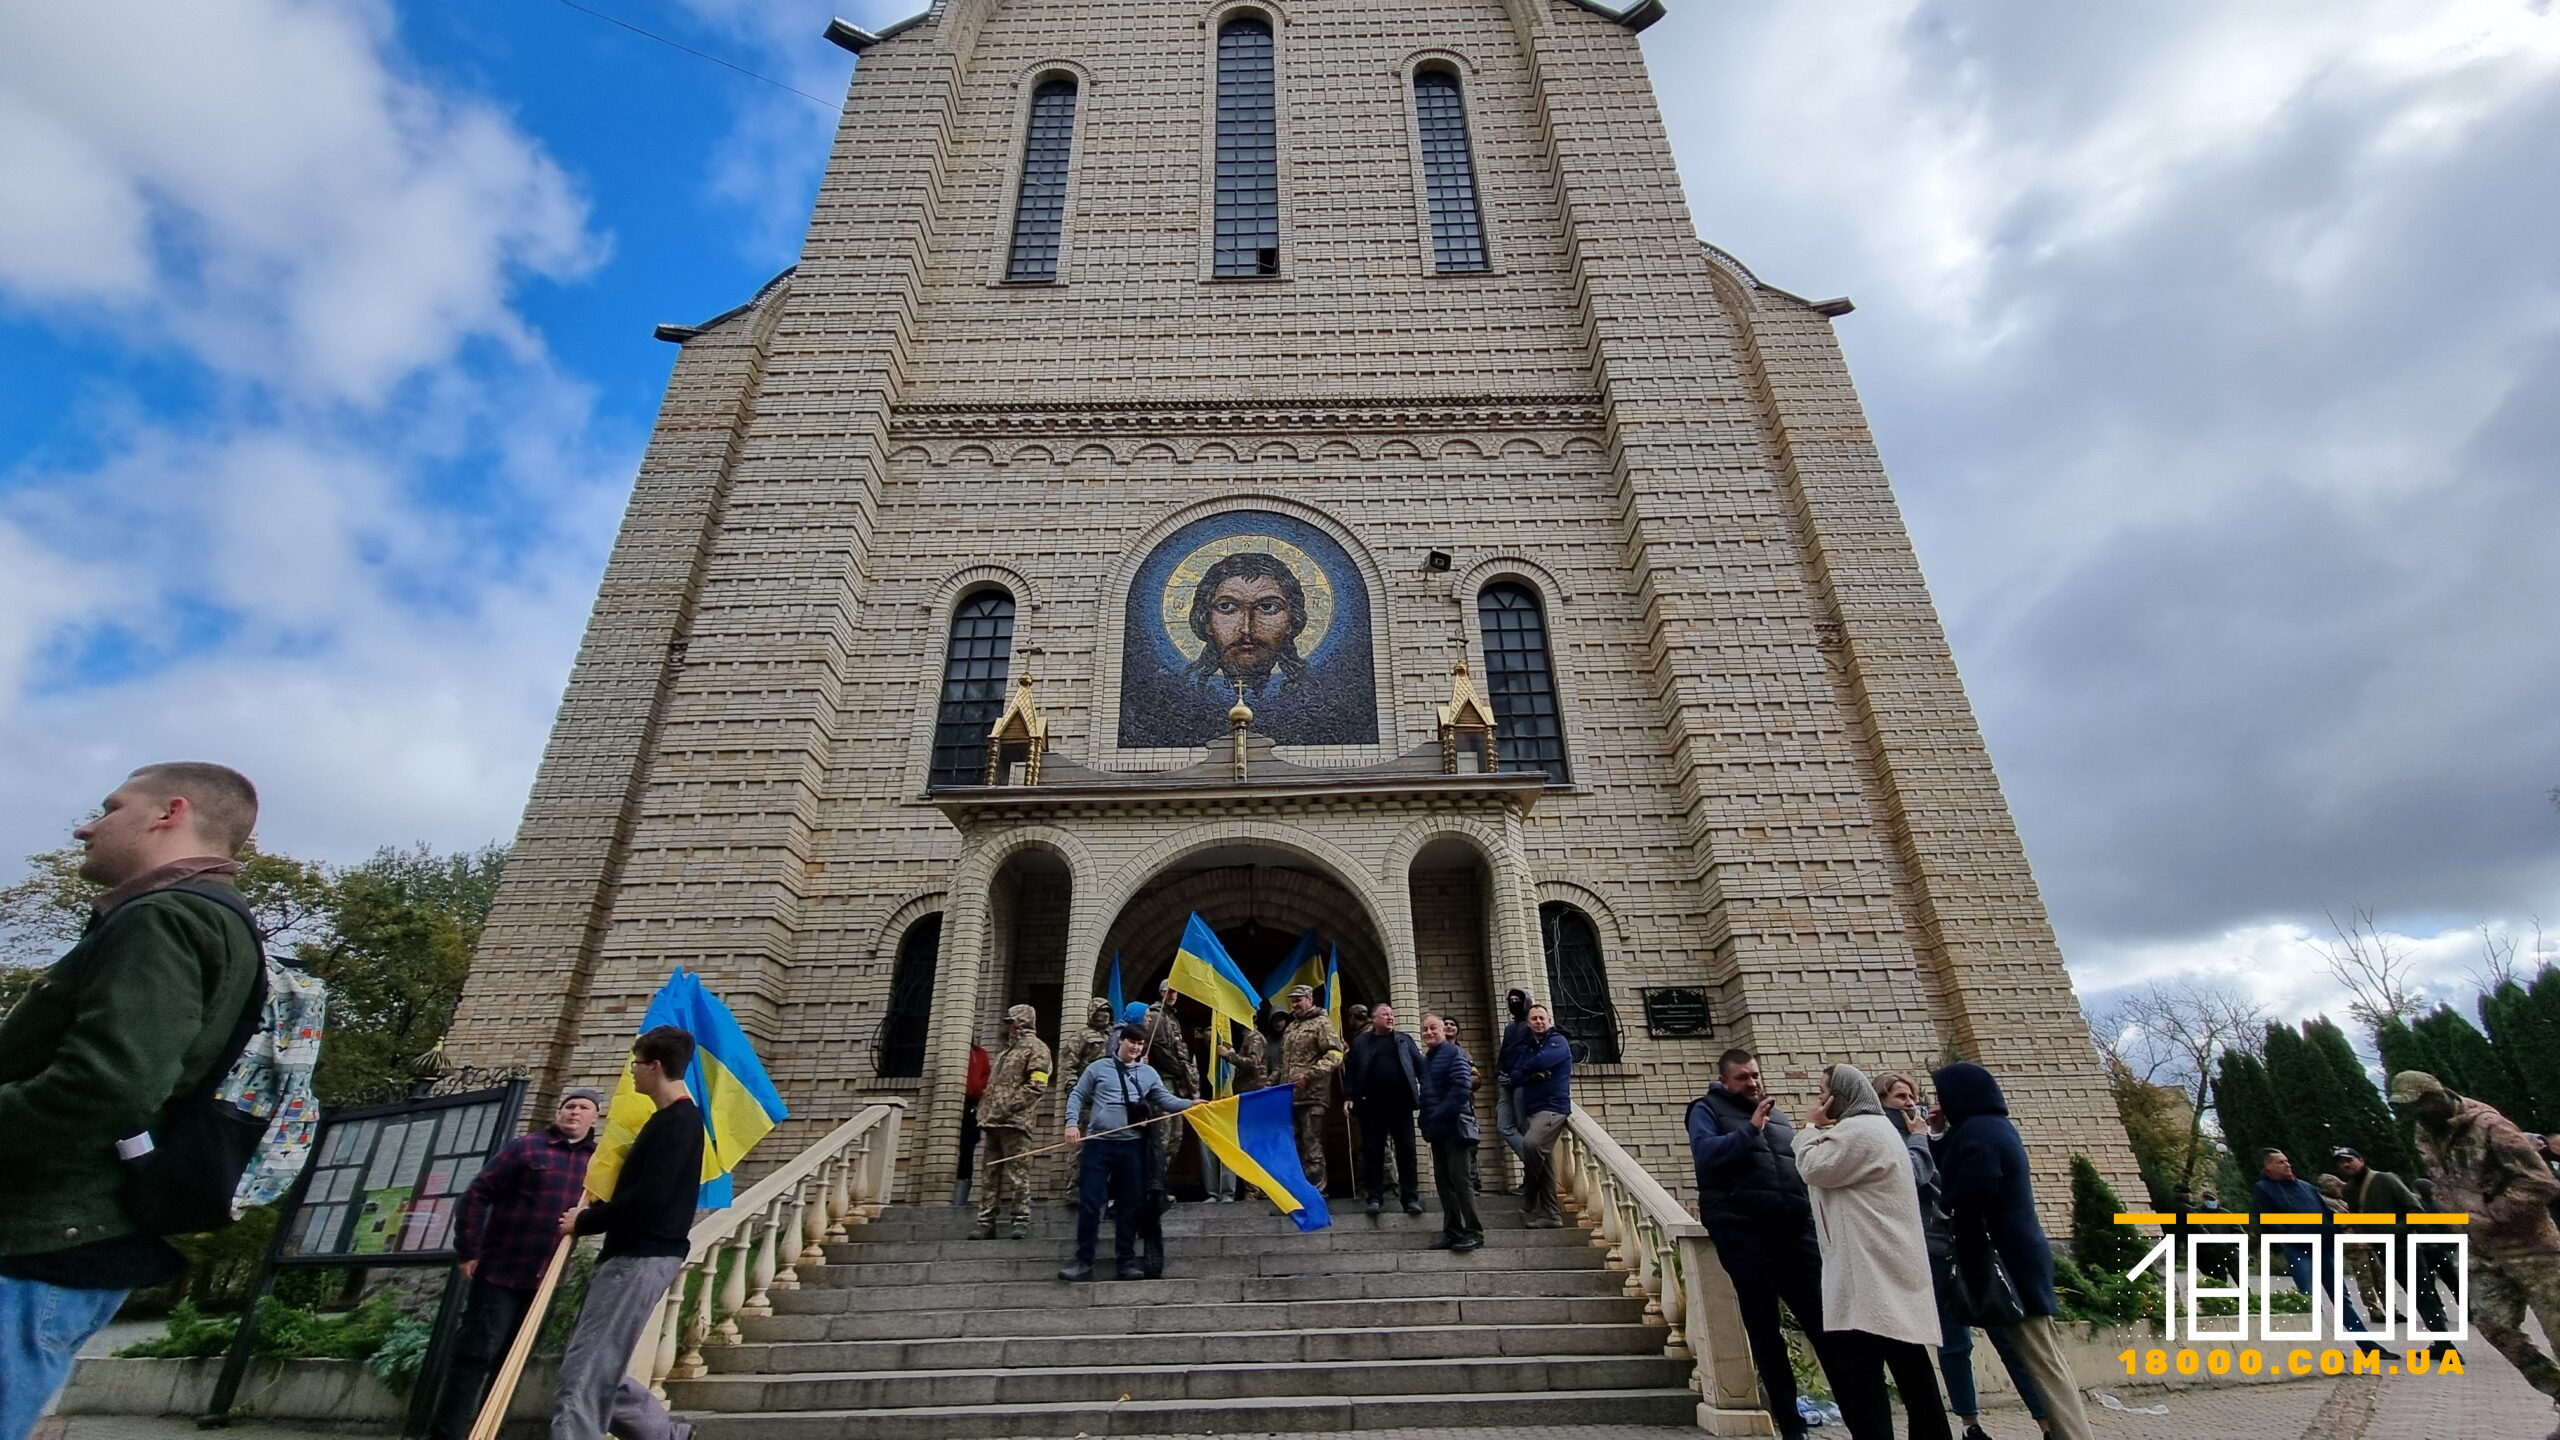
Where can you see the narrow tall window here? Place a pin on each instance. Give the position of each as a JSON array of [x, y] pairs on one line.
[[1448, 173], [973, 675], [1577, 988], [1521, 681], [1248, 209], [897, 1047], [1040, 211]]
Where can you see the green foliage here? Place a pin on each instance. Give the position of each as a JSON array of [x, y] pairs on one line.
[[566, 1301], [285, 1332], [2103, 1295], [402, 1353], [2354, 1105], [2251, 1119], [2098, 1243], [2471, 1066], [397, 946], [2299, 1079], [2160, 1121], [191, 1334], [2523, 1022]]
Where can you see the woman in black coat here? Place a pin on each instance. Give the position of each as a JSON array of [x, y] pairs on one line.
[[1991, 1200]]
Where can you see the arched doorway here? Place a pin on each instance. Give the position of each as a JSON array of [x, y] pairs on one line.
[[1450, 886], [1261, 900]]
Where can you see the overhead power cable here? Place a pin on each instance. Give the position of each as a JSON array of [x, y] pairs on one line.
[[698, 55]]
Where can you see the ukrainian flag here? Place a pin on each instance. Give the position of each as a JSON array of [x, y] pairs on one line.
[[739, 1103], [1203, 970], [1255, 1135], [1117, 1003], [1305, 966], [1333, 991]]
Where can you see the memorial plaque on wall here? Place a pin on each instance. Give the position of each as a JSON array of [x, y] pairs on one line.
[[1677, 1012], [385, 1182]]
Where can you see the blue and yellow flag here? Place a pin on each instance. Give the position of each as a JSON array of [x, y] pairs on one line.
[[1333, 990], [1119, 1002], [739, 1104], [1203, 970], [1305, 966], [1255, 1135]]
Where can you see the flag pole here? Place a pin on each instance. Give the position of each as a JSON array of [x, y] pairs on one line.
[[493, 1411], [1071, 1144]]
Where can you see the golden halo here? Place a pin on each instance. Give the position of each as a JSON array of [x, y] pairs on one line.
[[1185, 579]]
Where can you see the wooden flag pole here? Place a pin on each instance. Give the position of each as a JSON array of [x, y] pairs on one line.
[[1072, 1144], [493, 1412]]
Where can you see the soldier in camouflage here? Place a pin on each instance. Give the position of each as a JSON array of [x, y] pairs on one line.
[[1091, 1045], [1167, 1050], [1310, 1051], [1244, 1072], [1006, 1116]]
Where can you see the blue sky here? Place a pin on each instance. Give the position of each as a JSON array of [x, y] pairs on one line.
[[2215, 352]]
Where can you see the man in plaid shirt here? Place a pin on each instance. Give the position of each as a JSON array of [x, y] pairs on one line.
[[509, 1224]]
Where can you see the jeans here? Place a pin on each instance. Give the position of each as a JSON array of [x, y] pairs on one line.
[[1769, 1264], [1378, 1126], [42, 1328], [2298, 1264], [490, 1317], [1955, 1357], [1857, 1369], [1506, 1121], [597, 1394], [1113, 1171]]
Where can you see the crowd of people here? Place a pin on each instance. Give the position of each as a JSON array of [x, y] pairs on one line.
[[1891, 1228]]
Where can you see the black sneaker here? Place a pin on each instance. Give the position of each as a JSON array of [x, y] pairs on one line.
[[1132, 1270], [1468, 1246], [1444, 1243], [1974, 1432], [1413, 1207], [1377, 1205], [1080, 1270]]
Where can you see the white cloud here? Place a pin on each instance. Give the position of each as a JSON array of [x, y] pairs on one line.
[[260, 182]]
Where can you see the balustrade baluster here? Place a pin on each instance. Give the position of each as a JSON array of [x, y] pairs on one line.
[[813, 1222], [733, 1283], [694, 1323]]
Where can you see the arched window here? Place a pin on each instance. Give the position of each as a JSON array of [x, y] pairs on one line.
[[1577, 988], [897, 1048], [1520, 680], [1040, 210], [1248, 208], [1448, 172], [973, 675]]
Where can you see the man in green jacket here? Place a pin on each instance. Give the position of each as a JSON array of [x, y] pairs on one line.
[[142, 1008]]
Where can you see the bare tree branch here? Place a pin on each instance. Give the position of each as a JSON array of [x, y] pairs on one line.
[[2173, 1035], [2374, 966]]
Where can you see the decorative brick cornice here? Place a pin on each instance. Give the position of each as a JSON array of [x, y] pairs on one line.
[[1059, 419]]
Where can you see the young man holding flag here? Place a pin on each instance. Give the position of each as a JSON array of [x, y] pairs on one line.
[[646, 1227]]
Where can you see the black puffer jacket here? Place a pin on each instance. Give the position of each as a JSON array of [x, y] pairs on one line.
[[1745, 1178], [1982, 1168]]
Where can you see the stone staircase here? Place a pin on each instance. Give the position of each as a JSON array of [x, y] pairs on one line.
[[914, 1332]]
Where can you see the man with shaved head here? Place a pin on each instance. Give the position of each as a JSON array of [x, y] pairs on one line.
[[140, 1012]]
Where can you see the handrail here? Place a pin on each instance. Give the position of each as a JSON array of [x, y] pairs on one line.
[[1664, 1250], [783, 1222]]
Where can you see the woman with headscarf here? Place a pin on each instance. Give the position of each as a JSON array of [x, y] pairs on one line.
[[1879, 1306]]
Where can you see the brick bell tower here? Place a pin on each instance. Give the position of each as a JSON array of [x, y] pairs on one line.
[[1163, 352]]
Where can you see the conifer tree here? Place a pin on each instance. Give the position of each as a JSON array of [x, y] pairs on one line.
[[2357, 1115], [2251, 1119], [2523, 1023], [2471, 1066], [2098, 1244], [2298, 1079]]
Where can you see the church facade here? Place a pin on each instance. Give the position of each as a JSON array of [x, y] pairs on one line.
[[1294, 462]]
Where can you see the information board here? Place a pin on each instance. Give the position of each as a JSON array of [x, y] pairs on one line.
[[385, 1183]]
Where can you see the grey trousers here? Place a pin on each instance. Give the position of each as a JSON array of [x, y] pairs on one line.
[[2066, 1412], [597, 1394]]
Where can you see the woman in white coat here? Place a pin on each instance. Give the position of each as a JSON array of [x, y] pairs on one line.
[[1879, 1306]]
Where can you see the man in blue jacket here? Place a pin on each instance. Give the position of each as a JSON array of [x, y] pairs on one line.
[[1541, 1096], [2281, 1192], [1449, 1123], [1760, 1220], [1991, 1201]]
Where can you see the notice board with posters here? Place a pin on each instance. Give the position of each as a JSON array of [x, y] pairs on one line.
[[385, 1182]]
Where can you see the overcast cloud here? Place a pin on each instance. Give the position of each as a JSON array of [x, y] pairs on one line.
[[2215, 354]]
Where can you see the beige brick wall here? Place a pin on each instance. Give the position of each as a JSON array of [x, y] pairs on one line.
[[1779, 792]]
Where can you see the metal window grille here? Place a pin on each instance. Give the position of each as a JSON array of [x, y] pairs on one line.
[[1577, 987], [1040, 210], [1520, 681], [973, 676], [1248, 196], [1448, 173], [897, 1049]]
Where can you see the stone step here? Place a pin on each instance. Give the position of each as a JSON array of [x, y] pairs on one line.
[[1139, 1376], [1055, 1318], [1028, 1262], [949, 1222], [1228, 1347], [1180, 1287], [1337, 1240], [1551, 1413]]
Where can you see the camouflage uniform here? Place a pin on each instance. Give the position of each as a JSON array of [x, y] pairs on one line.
[[2484, 1166], [1007, 1114], [1310, 1051], [1170, 1053], [1091, 1045]]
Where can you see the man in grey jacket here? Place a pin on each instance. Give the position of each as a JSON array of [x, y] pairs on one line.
[[1113, 1094]]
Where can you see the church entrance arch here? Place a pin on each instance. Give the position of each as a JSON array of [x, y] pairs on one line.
[[1261, 900]]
